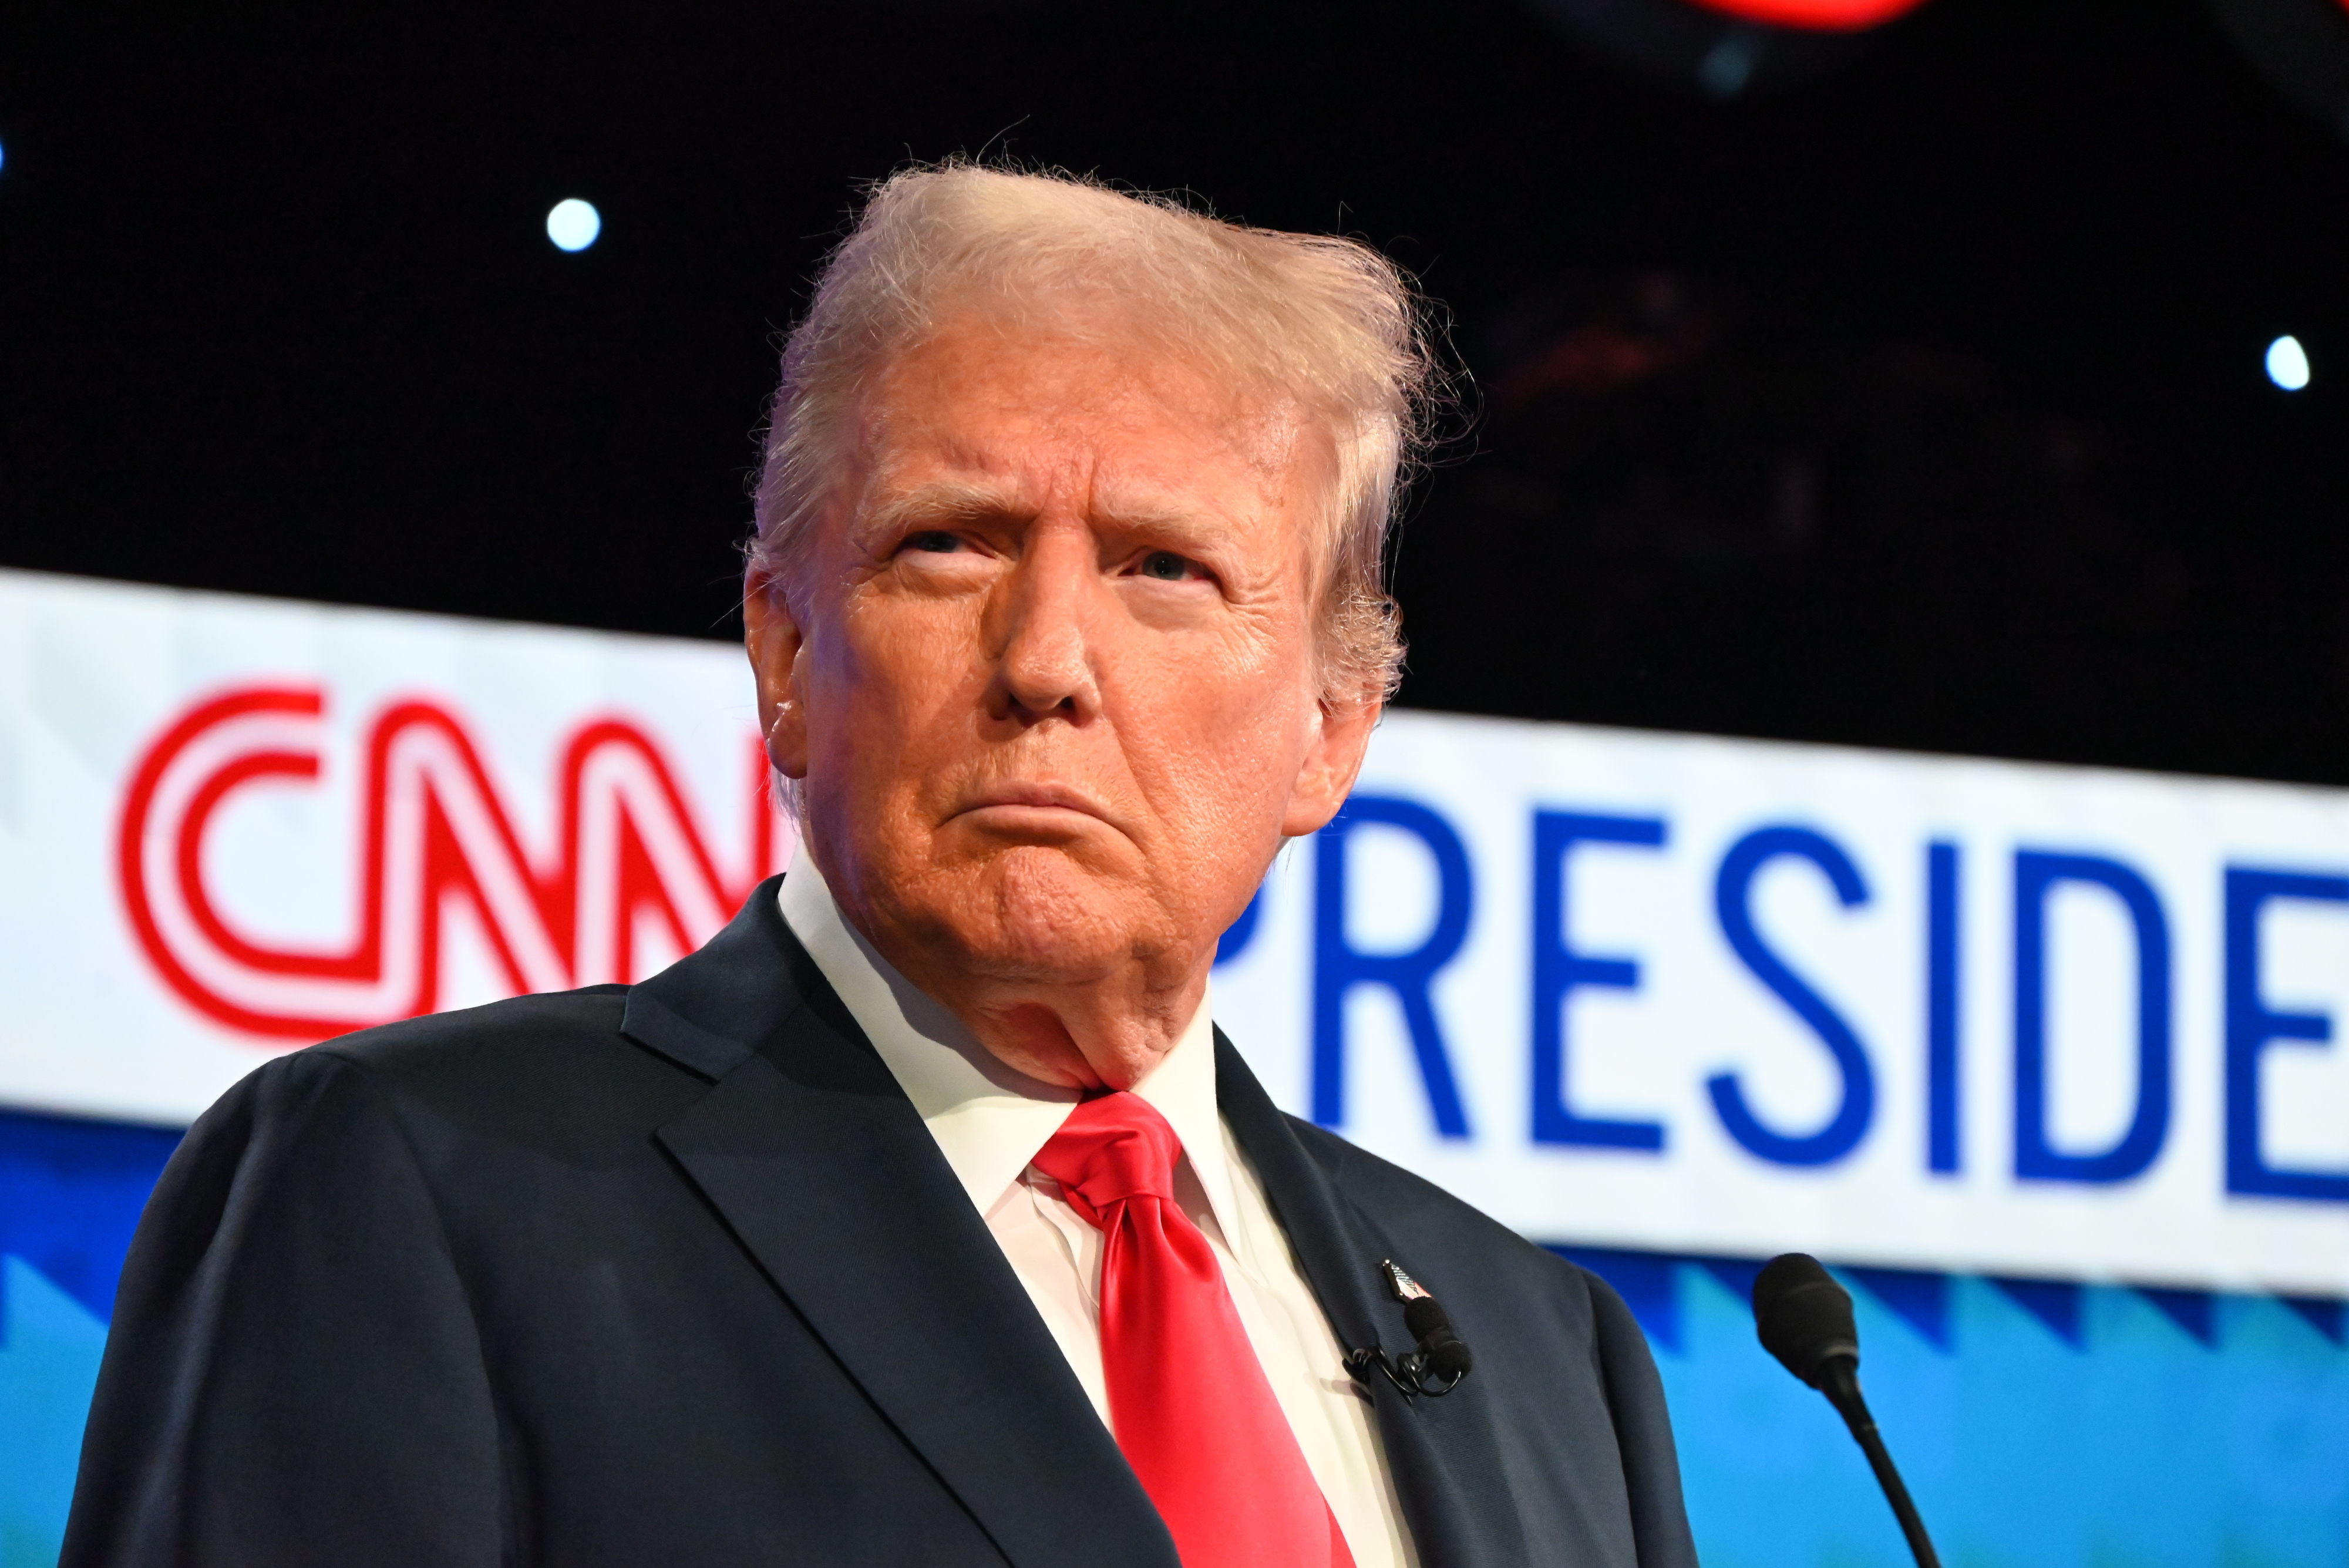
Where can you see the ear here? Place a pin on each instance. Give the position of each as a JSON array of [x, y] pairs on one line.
[[771, 634], [1332, 760]]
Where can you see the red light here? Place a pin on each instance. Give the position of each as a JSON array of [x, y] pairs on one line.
[[1821, 15]]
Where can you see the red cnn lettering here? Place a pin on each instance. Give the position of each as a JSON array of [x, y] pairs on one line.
[[433, 832]]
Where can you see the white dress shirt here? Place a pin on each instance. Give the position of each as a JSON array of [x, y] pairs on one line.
[[991, 1121]]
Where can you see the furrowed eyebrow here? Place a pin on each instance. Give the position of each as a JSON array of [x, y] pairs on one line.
[[942, 503], [946, 503], [1145, 518]]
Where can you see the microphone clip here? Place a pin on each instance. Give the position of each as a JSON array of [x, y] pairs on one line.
[[1436, 1364]]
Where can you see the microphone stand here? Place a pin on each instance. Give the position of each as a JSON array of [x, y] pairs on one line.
[[1839, 1381]]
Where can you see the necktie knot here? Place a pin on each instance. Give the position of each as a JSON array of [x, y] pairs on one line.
[[1112, 1148]]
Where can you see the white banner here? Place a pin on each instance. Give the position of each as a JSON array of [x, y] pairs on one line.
[[1657, 991], [230, 826], [1722, 996]]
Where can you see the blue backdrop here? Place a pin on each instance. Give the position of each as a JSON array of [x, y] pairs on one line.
[[2040, 1423]]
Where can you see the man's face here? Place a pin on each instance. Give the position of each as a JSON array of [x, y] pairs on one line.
[[1053, 686]]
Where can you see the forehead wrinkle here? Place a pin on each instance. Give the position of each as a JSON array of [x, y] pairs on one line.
[[1270, 436], [1024, 490]]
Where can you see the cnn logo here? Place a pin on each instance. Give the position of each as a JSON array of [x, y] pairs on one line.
[[430, 828]]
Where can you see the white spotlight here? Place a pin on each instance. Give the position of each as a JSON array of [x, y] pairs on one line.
[[2288, 363], [573, 224]]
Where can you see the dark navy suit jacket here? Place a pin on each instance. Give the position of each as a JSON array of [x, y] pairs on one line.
[[674, 1274]]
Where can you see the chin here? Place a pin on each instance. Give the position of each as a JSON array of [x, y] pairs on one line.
[[1041, 914]]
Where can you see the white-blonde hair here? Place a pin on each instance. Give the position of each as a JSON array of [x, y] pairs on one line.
[[1319, 323]]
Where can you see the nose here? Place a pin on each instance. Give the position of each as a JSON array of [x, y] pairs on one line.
[[1037, 630]]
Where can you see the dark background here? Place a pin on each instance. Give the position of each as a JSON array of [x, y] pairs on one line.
[[1918, 403]]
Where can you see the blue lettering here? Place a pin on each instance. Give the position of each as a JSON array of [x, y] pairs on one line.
[[1732, 903], [1559, 970], [1942, 1008], [2035, 875], [1339, 967], [2251, 1027]]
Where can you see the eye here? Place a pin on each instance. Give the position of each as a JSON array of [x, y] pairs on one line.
[[1166, 566], [933, 542]]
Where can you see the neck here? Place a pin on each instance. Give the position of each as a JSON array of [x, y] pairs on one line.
[[1104, 1033], [1088, 1040]]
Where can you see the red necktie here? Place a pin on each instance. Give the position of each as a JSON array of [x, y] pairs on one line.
[[1188, 1397]]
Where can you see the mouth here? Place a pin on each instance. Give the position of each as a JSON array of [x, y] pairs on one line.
[[1052, 807]]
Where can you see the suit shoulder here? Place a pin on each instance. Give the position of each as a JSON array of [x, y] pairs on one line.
[[558, 1055], [551, 1072], [521, 1028]]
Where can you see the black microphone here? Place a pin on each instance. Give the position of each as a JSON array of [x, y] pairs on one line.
[[1804, 1318], [1436, 1363], [1440, 1353]]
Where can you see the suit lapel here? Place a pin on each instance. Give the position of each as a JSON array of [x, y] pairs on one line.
[[813, 1155], [1444, 1454]]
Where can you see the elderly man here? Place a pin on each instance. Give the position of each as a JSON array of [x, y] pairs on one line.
[[924, 1217]]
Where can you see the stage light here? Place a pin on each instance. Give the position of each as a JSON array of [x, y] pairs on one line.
[[1818, 15], [573, 225], [4, 157], [2288, 363], [1725, 48]]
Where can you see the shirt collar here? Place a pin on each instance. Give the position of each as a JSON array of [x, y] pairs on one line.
[[990, 1120]]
